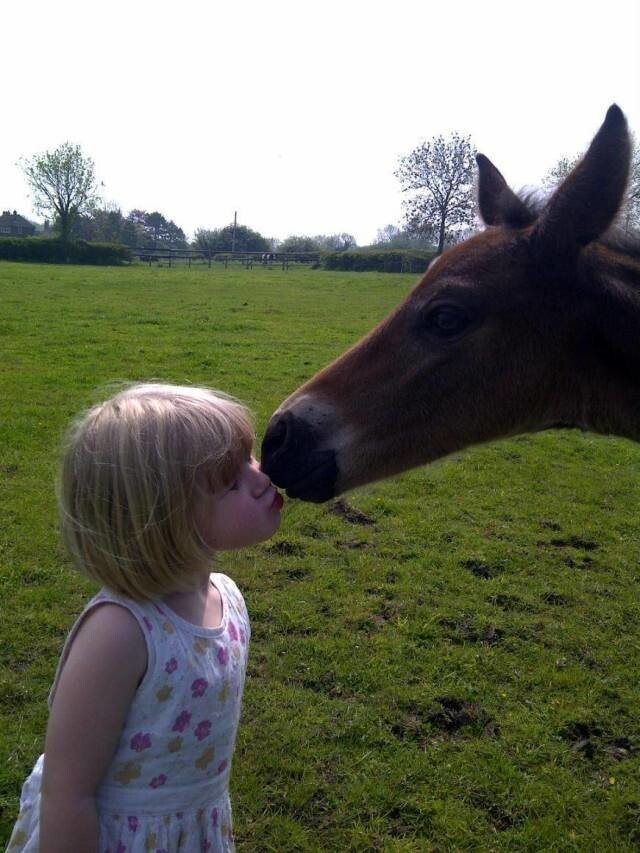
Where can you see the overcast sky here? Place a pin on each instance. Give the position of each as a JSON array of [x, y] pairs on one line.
[[295, 113]]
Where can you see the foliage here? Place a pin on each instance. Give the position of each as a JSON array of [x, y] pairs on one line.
[[319, 243], [223, 240], [629, 217], [298, 243], [458, 674], [380, 260], [439, 174], [393, 237], [63, 184], [152, 231], [559, 172], [335, 242], [102, 224], [46, 250]]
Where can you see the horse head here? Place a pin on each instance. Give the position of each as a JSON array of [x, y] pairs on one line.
[[517, 329]]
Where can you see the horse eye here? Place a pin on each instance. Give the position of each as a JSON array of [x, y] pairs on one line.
[[446, 321]]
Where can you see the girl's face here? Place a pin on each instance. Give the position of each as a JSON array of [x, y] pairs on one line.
[[246, 512]]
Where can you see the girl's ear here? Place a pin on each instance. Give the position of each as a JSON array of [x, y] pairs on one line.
[[498, 204], [586, 202]]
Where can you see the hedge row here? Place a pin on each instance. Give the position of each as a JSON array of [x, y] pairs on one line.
[[387, 260], [48, 251]]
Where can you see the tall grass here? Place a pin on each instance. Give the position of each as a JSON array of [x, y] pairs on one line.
[[449, 661]]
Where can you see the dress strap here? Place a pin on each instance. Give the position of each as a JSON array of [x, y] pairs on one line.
[[140, 613]]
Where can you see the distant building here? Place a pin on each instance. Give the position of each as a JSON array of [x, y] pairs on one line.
[[14, 225]]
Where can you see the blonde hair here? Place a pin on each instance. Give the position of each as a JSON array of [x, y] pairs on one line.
[[127, 483]]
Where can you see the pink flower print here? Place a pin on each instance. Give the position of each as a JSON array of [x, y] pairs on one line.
[[214, 817], [243, 638], [132, 820], [148, 624], [158, 781], [223, 766], [202, 730], [198, 687], [171, 666], [233, 632], [140, 742], [181, 722], [223, 655]]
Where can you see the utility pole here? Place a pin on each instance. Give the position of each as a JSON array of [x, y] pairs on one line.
[[233, 236]]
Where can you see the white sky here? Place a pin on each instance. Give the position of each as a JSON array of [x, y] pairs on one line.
[[295, 113]]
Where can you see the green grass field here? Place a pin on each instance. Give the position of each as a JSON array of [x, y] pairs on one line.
[[460, 672]]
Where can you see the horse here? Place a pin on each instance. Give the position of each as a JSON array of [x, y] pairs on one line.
[[532, 324]]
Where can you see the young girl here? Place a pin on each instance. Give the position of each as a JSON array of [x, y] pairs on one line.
[[145, 703]]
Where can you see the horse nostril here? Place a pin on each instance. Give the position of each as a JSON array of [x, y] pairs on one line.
[[275, 438]]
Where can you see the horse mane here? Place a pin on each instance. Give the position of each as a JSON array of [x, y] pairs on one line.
[[616, 237]]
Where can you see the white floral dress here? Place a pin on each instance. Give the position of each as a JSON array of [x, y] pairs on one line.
[[167, 787]]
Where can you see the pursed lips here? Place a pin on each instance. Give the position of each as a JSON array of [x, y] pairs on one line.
[[277, 501]]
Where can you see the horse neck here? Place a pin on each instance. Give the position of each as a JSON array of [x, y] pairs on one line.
[[612, 398]]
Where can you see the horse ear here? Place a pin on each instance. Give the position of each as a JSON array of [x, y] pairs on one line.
[[586, 202], [498, 204]]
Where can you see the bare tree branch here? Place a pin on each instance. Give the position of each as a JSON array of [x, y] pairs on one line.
[[439, 176]]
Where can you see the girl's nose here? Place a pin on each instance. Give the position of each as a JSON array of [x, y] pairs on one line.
[[261, 481]]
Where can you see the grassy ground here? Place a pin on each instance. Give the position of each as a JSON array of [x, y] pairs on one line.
[[453, 668]]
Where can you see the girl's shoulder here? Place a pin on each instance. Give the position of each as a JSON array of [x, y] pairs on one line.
[[110, 626], [236, 615], [228, 588]]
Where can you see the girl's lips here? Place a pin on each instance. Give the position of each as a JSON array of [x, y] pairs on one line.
[[278, 501]]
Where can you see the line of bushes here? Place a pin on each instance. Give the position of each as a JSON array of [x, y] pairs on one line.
[[45, 250], [384, 260]]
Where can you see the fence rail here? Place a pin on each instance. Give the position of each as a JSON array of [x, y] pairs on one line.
[[246, 259]]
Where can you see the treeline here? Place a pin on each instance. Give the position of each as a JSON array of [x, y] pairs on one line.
[[141, 229]]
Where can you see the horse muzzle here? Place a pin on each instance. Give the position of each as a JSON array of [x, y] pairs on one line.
[[293, 457]]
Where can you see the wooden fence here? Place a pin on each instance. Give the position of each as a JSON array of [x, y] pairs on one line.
[[174, 257]]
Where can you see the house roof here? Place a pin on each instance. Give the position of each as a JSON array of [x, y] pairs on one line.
[[14, 218]]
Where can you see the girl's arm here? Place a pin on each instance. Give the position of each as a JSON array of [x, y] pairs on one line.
[[107, 660]]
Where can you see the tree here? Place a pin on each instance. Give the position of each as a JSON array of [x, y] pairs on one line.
[[153, 230], [393, 237], [299, 243], [245, 239], [335, 242], [63, 184], [559, 172], [108, 224], [631, 214], [206, 240], [319, 243], [102, 224], [629, 217], [439, 173]]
